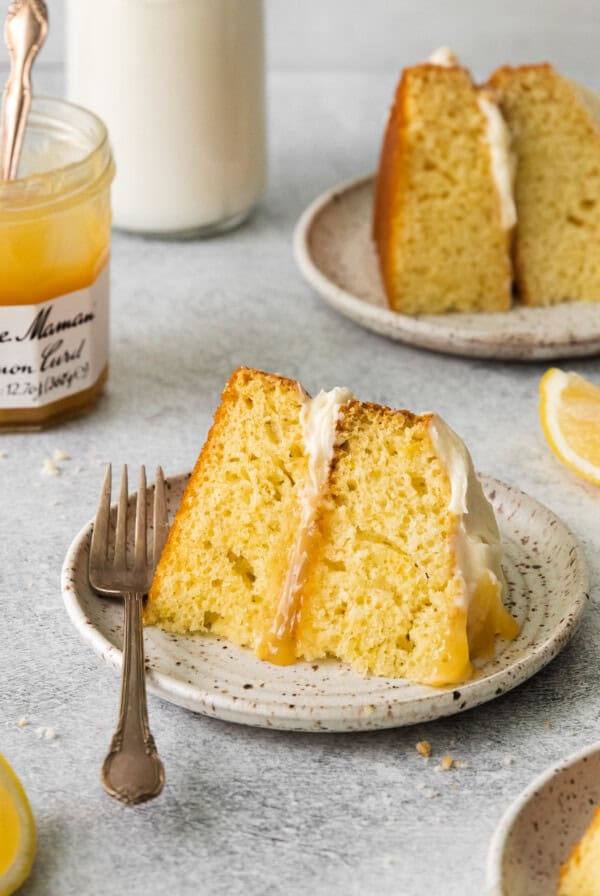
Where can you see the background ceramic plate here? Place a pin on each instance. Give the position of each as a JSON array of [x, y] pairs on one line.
[[335, 253], [547, 576], [541, 827]]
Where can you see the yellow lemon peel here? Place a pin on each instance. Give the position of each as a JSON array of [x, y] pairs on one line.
[[570, 416], [17, 843]]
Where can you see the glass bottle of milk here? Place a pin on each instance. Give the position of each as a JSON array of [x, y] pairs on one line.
[[180, 84]]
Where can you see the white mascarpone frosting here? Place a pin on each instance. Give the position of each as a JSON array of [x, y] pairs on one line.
[[503, 160], [319, 418], [443, 56], [477, 542]]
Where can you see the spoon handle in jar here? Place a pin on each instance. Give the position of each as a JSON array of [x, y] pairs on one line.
[[25, 31]]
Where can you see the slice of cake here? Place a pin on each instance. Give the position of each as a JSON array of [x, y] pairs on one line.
[[556, 134], [329, 527], [580, 875], [443, 206], [228, 549]]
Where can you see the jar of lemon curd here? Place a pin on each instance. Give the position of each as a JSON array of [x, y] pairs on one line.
[[55, 224]]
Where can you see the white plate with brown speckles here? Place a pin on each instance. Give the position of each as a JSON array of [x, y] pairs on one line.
[[336, 255], [539, 830], [547, 577]]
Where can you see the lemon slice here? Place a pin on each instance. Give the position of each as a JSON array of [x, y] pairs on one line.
[[17, 831], [570, 415]]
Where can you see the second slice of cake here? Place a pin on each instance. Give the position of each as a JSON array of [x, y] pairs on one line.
[[330, 527]]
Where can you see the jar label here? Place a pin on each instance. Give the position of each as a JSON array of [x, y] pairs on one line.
[[55, 349]]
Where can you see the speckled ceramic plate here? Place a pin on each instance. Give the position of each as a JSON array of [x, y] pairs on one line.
[[538, 831], [547, 575], [335, 253]]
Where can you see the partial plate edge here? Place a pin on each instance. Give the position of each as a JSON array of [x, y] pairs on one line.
[[415, 331], [497, 845]]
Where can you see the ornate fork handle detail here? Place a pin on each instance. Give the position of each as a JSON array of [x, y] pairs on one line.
[[132, 771]]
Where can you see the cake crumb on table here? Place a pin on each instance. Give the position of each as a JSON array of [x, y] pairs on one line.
[[49, 468], [508, 760], [60, 455], [423, 747], [447, 762], [45, 732], [22, 723]]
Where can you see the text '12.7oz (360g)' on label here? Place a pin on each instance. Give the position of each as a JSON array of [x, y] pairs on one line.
[[55, 349]]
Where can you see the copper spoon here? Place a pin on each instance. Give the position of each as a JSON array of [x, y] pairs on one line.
[[24, 31]]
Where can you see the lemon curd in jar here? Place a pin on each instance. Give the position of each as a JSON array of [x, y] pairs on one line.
[[55, 224]]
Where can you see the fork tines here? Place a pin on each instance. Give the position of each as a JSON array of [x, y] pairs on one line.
[[100, 543]]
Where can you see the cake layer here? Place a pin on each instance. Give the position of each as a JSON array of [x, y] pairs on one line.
[[442, 216], [556, 137], [405, 578], [227, 553]]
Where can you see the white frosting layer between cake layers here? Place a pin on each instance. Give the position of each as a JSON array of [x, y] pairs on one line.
[[503, 160], [477, 541], [318, 417]]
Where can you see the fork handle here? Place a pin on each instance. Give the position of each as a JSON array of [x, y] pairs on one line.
[[132, 771]]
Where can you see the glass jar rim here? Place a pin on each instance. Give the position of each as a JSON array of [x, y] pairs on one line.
[[62, 183]]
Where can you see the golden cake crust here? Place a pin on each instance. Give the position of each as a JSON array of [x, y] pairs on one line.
[[391, 174]]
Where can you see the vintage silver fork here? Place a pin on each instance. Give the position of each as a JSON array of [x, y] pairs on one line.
[[132, 771]]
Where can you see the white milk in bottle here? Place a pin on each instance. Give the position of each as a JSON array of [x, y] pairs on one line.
[[180, 85]]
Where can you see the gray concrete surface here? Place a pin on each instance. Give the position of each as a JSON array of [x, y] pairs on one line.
[[248, 811]]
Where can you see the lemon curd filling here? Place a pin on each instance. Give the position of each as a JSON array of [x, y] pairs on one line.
[[55, 222], [318, 417]]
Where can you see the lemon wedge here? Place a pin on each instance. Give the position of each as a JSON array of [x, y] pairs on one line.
[[570, 415], [17, 831]]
